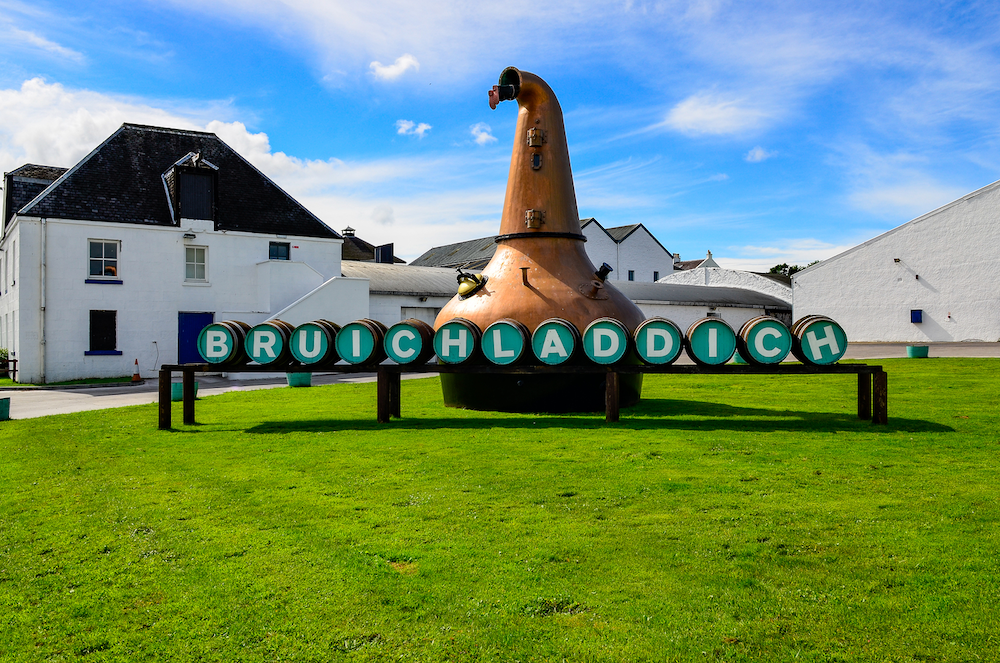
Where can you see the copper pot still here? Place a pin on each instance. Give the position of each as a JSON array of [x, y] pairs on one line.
[[541, 269]]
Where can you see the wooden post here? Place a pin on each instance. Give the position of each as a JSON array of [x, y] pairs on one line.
[[865, 396], [880, 398], [396, 378], [383, 406], [611, 394], [165, 377], [188, 388]]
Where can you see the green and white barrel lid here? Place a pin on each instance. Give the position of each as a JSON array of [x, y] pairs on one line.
[[264, 344], [605, 341], [554, 342], [403, 343], [822, 341], [711, 341], [355, 342], [310, 343], [216, 343], [658, 341], [768, 341], [454, 342], [504, 342]]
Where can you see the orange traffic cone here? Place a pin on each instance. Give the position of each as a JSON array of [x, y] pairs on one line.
[[135, 376]]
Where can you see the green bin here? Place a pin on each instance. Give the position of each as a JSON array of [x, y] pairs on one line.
[[299, 379], [177, 390], [917, 351], [4, 409]]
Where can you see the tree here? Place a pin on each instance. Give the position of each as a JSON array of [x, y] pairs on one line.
[[787, 270]]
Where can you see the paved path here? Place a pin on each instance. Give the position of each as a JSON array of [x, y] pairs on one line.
[[42, 402]]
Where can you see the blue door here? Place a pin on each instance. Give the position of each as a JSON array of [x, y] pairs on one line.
[[189, 325]]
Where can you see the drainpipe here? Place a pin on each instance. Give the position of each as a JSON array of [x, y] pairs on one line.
[[41, 286]]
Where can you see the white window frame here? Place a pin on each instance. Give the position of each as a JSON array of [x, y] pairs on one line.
[[204, 264], [117, 276]]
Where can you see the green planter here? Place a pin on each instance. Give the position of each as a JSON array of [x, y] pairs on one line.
[[177, 390], [917, 351], [4, 409], [299, 379]]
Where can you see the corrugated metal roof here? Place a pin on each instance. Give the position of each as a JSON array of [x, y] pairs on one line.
[[387, 279], [682, 293]]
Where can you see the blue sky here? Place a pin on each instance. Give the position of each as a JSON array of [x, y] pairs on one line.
[[764, 132]]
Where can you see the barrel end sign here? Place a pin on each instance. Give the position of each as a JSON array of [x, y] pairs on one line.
[[710, 342], [410, 341], [555, 341], [658, 341], [505, 342], [818, 340], [606, 341], [457, 341], [761, 341]]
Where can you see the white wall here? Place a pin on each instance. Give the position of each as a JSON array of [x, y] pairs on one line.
[[340, 300], [641, 253], [953, 250], [388, 309], [601, 248], [153, 290]]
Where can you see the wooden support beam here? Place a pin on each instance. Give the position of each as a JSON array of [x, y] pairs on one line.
[[383, 406], [880, 398], [865, 396], [188, 388], [611, 394], [395, 378], [164, 398]]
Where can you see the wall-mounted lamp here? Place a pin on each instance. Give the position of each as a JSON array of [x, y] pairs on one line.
[[423, 299], [189, 235], [895, 259]]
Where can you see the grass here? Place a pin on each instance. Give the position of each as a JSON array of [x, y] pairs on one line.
[[741, 519]]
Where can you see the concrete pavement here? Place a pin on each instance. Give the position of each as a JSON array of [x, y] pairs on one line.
[[43, 402]]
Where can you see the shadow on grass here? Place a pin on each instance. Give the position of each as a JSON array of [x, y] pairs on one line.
[[650, 414]]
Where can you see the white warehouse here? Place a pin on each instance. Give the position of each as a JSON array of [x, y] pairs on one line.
[[934, 279]]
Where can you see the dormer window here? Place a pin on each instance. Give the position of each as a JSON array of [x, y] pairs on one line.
[[196, 194], [191, 185]]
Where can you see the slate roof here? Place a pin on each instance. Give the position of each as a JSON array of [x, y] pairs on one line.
[[387, 279], [21, 186], [356, 248], [619, 233], [683, 293], [473, 254], [122, 181]]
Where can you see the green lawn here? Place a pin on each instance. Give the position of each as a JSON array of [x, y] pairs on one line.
[[749, 518]]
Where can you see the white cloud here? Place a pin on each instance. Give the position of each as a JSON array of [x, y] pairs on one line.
[[758, 154], [482, 133], [799, 251], [896, 185], [15, 35], [382, 215], [49, 124], [410, 128], [707, 113], [393, 71], [53, 125]]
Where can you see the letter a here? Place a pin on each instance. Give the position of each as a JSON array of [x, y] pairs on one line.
[[552, 345]]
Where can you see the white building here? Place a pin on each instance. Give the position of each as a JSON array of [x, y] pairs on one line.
[[936, 278], [686, 303], [128, 254], [631, 251]]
